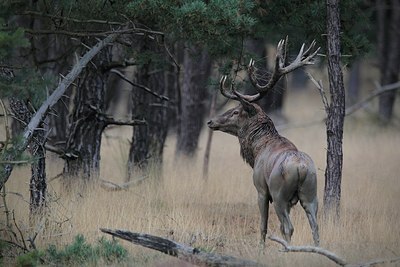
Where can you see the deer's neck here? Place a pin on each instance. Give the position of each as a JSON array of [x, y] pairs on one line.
[[256, 136]]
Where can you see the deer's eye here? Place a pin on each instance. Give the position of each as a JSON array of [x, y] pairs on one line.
[[236, 112]]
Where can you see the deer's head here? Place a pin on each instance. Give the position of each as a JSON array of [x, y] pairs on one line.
[[234, 119]]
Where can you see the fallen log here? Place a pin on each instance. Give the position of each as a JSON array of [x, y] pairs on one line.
[[181, 251]]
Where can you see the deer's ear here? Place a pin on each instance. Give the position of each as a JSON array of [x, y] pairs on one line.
[[248, 107]]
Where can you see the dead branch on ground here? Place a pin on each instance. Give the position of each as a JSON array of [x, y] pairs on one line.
[[311, 249], [110, 186], [181, 251]]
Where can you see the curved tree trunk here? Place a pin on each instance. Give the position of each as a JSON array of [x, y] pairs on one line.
[[196, 69], [336, 112]]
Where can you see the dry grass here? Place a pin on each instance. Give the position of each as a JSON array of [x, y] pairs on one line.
[[221, 214]]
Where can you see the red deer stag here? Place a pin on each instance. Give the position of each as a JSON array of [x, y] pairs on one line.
[[282, 175]]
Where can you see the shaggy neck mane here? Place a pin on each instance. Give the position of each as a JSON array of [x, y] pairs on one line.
[[258, 133]]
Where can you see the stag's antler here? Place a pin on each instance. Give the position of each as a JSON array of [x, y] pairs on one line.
[[303, 58]]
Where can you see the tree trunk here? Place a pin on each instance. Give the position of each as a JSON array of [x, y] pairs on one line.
[[196, 68], [84, 134], [336, 112], [148, 141], [37, 184], [389, 52], [40, 114]]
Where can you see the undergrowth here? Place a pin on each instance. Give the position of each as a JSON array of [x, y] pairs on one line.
[[78, 253]]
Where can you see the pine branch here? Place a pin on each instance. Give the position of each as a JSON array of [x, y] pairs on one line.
[[89, 21]]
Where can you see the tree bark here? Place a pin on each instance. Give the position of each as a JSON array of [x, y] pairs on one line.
[[389, 52], [37, 184], [336, 112], [148, 141], [41, 113], [84, 134], [196, 68]]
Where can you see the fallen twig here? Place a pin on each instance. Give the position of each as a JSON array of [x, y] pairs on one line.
[[311, 249], [110, 186], [330, 255]]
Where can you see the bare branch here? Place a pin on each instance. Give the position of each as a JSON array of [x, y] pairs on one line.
[[112, 121], [311, 249], [123, 77], [108, 120], [54, 149], [321, 90], [379, 90], [330, 255]]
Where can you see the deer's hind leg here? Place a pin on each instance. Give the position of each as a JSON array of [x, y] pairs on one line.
[[283, 187], [282, 209], [309, 202]]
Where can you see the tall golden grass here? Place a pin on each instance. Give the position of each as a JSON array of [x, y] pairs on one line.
[[221, 214]]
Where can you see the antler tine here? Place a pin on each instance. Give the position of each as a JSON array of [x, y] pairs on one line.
[[307, 52], [224, 91], [304, 57]]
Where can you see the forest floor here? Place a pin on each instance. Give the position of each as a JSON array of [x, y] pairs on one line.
[[221, 214]]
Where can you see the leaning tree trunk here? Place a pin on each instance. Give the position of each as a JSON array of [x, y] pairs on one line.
[[148, 141], [196, 71], [87, 123], [336, 112], [389, 52], [39, 116]]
